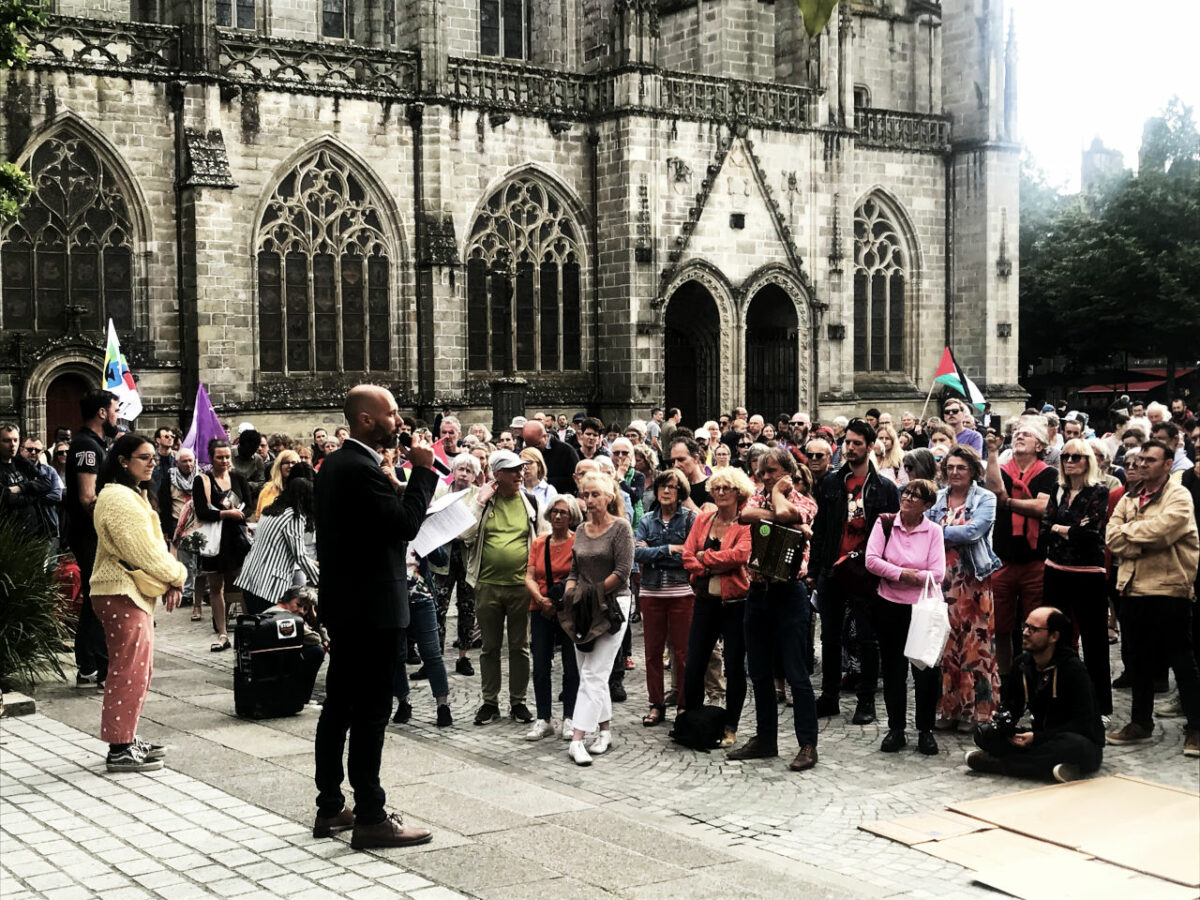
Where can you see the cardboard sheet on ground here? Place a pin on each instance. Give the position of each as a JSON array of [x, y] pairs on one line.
[[445, 520], [1158, 830], [995, 847], [1080, 878], [932, 826]]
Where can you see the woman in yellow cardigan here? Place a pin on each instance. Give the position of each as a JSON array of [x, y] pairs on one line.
[[133, 569]]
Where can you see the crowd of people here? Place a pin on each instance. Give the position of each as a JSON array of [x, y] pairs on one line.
[[1047, 540]]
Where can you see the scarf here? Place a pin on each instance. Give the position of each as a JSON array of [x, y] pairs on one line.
[[181, 482], [1028, 527]]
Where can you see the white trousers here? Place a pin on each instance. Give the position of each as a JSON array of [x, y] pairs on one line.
[[593, 703]]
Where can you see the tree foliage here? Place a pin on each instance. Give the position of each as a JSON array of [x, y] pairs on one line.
[[1121, 272], [15, 16]]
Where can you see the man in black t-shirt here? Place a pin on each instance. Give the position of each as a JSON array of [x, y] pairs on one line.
[[685, 456], [85, 457]]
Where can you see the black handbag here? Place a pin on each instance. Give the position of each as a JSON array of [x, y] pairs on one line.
[[555, 590], [850, 571]]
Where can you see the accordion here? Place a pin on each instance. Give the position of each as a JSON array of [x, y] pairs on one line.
[[776, 551]]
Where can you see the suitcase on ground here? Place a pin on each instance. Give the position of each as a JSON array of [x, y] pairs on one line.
[[268, 680]]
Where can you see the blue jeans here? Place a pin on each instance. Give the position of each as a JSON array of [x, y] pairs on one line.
[[778, 618], [422, 626], [545, 637]]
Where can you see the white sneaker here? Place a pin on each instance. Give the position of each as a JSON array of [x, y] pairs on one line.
[[568, 731], [1171, 708], [541, 728], [578, 754], [602, 742]]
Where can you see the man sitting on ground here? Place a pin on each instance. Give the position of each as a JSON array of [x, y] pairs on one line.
[[1050, 680], [303, 602]]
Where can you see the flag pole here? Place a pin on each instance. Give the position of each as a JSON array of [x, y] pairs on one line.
[[927, 398]]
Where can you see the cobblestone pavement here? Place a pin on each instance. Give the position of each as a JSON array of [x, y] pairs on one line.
[[646, 794]]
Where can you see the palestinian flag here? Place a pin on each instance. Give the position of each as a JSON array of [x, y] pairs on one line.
[[950, 373]]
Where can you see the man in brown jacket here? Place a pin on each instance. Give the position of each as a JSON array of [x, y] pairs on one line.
[[1153, 535]]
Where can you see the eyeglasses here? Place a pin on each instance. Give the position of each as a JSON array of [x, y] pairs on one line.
[[559, 512], [1033, 628], [913, 495], [817, 455], [795, 423], [617, 453], [144, 457], [720, 488], [34, 450], [669, 486], [958, 468], [1073, 457]]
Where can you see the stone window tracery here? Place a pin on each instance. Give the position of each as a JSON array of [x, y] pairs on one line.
[[69, 257], [880, 276], [323, 273], [523, 282]]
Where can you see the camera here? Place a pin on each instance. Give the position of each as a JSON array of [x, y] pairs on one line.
[[1003, 726]]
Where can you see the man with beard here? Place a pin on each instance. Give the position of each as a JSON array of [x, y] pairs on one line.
[[85, 457], [363, 525]]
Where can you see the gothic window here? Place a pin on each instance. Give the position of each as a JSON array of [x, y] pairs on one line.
[[69, 257], [244, 10], [502, 28], [862, 96], [881, 271], [523, 282], [323, 273], [337, 18]]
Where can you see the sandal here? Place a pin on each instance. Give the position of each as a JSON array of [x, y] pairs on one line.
[[197, 615], [221, 643], [654, 716]]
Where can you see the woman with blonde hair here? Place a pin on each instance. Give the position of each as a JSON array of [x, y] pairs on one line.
[[534, 476], [889, 455], [274, 486], [602, 558], [1072, 535]]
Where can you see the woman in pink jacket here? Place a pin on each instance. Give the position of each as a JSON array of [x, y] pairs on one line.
[[904, 550]]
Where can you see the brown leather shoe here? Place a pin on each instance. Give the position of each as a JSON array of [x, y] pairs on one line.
[[343, 821], [391, 832], [805, 759], [753, 749]]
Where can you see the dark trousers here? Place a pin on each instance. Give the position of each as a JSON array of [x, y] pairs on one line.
[[834, 602], [1084, 598], [545, 638], [91, 651], [1160, 629], [711, 619], [311, 657], [256, 606], [1039, 759], [778, 617], [890, 623], [358, 700]]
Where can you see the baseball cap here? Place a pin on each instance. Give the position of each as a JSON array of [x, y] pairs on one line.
[[504, 459], [1049, 407], [517, 422], [245, 426]]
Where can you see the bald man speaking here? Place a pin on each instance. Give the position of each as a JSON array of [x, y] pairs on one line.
[[363, 525]]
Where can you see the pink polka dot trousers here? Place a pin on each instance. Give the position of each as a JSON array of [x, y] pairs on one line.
[[129, 633]]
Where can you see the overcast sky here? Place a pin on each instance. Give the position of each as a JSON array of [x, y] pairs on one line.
[[1093, 68]]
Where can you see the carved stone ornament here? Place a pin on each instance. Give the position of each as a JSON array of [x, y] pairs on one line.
[[206, 160]]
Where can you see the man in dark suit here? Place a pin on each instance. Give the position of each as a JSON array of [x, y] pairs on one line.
[[363, 526]]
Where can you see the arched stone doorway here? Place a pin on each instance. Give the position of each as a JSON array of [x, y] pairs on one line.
[[772, 353], [62, 403], [692, 348]]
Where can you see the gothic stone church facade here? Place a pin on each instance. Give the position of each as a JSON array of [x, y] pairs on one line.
[[612, 202]]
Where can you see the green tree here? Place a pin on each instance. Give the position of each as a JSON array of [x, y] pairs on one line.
[[1041, 205], [16, 16]]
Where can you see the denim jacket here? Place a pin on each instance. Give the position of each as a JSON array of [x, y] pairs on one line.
[[660, 567], [975, 538]]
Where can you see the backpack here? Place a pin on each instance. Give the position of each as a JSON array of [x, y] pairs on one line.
[[700, 729]]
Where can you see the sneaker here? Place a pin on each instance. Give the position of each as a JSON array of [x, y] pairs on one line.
[[131, 759], [149, 750], [1132, 733], [444, 719], [982, 761], [489, 712], [753, 749], [541, 729], [1191, 743], [464, 667], [86, 681], [805, 759], [403, 713], [616, 692], [1169, 709], [579, 754], [1065, 772], [521, 713], [568, 730], [602, 743]]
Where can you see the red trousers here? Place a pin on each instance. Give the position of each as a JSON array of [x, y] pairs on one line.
[[1016, 591], [129, 633], [663, 619]]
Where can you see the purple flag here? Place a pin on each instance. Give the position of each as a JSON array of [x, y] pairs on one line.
[[205, 427]]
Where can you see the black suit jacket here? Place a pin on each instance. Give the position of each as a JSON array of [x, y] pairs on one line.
[[363, 530]]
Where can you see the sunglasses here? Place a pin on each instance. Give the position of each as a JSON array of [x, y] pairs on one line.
[[817, 455], [1073, 457], [746, 444]]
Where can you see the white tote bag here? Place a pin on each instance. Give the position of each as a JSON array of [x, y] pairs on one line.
[[929, 628], [212, 537]]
